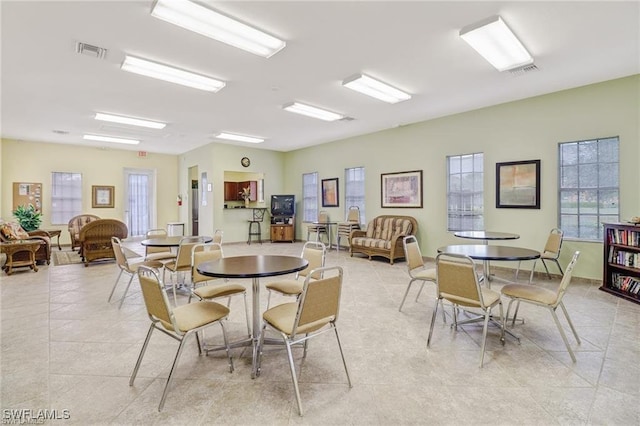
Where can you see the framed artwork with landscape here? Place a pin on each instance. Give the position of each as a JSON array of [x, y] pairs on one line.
[[330, 192], [518, 184], [401, 189], [102, 196]]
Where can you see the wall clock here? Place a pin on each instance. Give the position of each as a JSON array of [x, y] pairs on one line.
[[245, 162]]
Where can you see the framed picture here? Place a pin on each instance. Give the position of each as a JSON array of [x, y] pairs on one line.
[[330, 196], [402, 189], [102, 196], [518, 185]]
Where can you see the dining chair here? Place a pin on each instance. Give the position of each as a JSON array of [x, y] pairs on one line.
[[551, 253], [352, 223], [158, 253], [416, 267], [210, 288], [550, 299], [127, 267], [178, 323], [314, 253], [182, 262], [323, 217], [458, 283], [307, 318]]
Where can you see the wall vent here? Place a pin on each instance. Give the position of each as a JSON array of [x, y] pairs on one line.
[[347, 119], [91, 50], [524, 70]]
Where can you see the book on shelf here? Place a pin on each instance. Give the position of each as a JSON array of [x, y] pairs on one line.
[[624, 258], [626, 283], [624, 237]]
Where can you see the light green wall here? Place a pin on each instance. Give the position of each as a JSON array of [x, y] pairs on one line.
[[523, 130], [34, 162]]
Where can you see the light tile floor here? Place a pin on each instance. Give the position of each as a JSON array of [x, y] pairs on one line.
[[65, 348]]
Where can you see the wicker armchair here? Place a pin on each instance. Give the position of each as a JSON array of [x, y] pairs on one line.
[[95, 239], [75, 224], [43, 255]]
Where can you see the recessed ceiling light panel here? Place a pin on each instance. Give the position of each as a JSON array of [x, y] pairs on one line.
[[209, 23], [493, 39], [311, 111], [371, 87], [239, 138], [171, 74], [129, 120], [100, 138]]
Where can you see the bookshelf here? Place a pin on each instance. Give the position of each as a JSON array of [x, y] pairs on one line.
[[621, 272]]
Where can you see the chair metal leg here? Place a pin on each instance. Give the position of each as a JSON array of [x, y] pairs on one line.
[[126, 290], [173, 368], [294, 378], [566, 315], [142, 351], [246, 313], [260, 348], [546, 269], [562, 334], [487, 314], [226, 346], [559, 267], [515, 278], [115, 285], [433, 320], [344, 362], [515, 314], [405, 295], [420, 290]]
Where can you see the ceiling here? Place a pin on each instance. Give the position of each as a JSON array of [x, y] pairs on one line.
[[50, 93]]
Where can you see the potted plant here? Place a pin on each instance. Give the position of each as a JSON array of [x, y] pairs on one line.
[[28, 217]]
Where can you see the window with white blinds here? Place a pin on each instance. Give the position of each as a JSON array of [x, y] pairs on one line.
[[354, 190], [66, 197], [310, 197], [465, 192]]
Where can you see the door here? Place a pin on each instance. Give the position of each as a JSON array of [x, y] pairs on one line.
[[139, 196], [194, 207]]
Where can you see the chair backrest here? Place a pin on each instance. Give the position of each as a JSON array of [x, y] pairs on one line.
[[554, 242], [156, 299], [319, 302], [183, 257], [323, 216], [217, 236], [353, 215], [121, 259], [412, 253], [258, 214], [566, 279], [156, 233], [204, 253], [314, 252], [457, 280]]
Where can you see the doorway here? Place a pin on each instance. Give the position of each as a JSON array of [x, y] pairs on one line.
[[194, 207], [139, 197]]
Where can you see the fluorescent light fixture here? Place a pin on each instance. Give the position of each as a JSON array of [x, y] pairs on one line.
[[110, 139], [129, 120], [170, 74], [493, 39], [239, 138], [310, 111], [209, 23], [376, 89]]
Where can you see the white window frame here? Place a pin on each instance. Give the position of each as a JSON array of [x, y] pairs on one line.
[[66, 196], [354, 189], [310, 191], [463, 208]]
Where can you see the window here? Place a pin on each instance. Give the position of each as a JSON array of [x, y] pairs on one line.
[[465, 193], [310, 197], [354, 190], [588, 186], [66, 197]]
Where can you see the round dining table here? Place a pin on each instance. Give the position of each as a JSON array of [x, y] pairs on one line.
[[254, 267], [486, 253], [169, 241], [486, 236]]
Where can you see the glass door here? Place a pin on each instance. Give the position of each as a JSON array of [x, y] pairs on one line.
[[140, 214]]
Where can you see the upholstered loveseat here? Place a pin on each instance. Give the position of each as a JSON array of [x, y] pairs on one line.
[[95, 239], [10, 231], [383, 237], [75, 224]]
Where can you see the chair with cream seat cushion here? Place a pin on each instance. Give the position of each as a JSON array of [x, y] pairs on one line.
[[211, 288], [323, 217], [550, 253], [308, 317], [158, 253], [458, 283], [315, 253], [127, 267], [178, 323], [182, 262], [550, 299], [416, 267]]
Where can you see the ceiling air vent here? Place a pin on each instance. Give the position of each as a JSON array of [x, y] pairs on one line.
[[524, 70], [91, 50], [347, 119]]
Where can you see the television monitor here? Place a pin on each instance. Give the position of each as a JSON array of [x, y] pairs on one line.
[[283, 205]]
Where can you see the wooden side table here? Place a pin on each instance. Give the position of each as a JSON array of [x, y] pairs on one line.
[[54, 233], [13, 247]]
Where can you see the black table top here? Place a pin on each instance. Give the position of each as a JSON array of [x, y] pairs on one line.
[[486, 235], [485, 252], [168, 241], [253, 266]]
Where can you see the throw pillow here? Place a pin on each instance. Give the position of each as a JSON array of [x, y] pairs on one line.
[[13, 231]]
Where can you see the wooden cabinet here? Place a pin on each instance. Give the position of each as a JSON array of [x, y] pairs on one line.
[[232, 190], [283, 229], [621, 272]]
